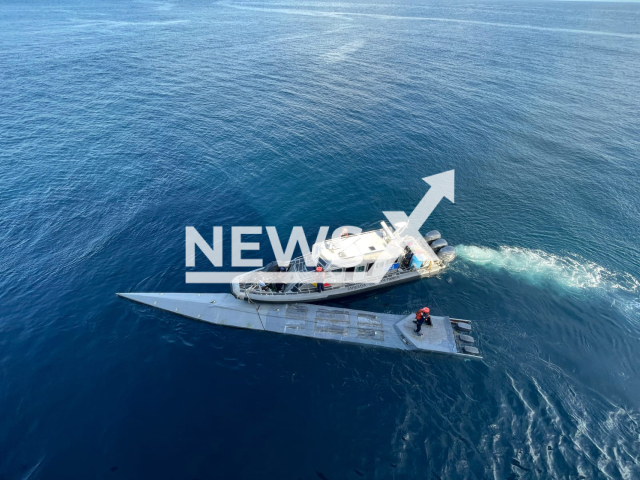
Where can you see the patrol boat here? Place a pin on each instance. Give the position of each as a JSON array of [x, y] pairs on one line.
[[348, 265], [445, 335]]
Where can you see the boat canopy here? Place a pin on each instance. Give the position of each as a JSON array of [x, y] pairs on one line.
[[353, 247], [353, 250]]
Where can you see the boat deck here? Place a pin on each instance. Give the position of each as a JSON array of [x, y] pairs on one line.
[[307, 320]]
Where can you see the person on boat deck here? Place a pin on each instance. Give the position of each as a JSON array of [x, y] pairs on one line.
[[280, 286], [427, 320], [421, 318], [345, 232], [320, 279], [419, 312], [407, 258]]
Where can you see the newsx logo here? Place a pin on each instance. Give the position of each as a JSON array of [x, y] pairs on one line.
[[442, 185], [215, 253]]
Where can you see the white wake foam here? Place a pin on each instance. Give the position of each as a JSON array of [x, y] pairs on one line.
[[346, 14], [538, 267]]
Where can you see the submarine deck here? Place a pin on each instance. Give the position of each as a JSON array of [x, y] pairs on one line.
[[308, 320]]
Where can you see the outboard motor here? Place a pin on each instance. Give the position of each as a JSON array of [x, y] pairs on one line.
[[438, 244], [447, 254], [470, 350], [463, 327], [432, 235]]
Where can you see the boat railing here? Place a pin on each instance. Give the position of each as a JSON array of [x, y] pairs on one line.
[[307, 279]]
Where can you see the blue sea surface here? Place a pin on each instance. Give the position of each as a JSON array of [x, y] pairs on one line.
[[123, 122]]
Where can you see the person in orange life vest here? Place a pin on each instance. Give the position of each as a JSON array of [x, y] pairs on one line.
[[428, 319], [320, 279], [419, 314], [422, 317]]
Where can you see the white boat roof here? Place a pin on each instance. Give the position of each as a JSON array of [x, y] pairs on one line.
[[362, 244], [367, 245]]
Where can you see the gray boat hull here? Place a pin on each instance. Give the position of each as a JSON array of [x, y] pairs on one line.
[[306, 320], [332, 292]]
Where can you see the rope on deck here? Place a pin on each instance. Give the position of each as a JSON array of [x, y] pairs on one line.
[[257, 309]]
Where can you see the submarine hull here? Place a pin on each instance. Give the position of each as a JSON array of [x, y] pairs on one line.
[[382, 330]]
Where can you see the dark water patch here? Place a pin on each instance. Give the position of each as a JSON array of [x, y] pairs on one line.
[[123, 123]]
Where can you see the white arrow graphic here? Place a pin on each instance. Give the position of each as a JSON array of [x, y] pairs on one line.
[[442, 185]]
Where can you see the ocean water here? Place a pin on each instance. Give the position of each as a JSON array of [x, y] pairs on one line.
[[122, 122]]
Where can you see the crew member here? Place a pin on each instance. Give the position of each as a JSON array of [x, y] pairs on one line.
[[427, 320], [320, 278], [407, 257], [280, 285], [422, 317]]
